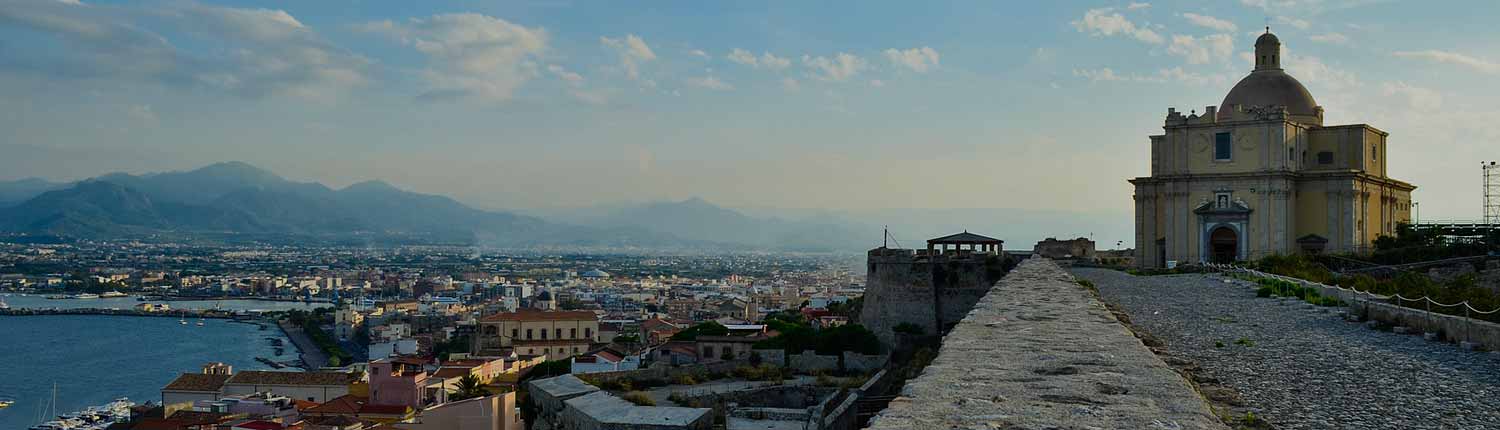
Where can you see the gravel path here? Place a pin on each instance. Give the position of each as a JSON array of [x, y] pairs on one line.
[[1305, 368]]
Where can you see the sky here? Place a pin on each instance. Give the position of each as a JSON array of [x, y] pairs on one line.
[[837, 105]]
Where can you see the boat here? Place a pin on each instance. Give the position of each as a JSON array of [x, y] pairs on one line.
[[86, 296], [5, 403], [4, 306], [113, 294], [94, 418], [200, 322], [182, 321]]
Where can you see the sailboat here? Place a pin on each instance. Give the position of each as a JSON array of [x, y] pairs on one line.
[[182, 321], [200, 322]]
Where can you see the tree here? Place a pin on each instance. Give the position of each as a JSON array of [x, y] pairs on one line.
[[709, 328], [468, 387]]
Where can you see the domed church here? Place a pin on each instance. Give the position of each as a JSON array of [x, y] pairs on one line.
[[1260, 174]]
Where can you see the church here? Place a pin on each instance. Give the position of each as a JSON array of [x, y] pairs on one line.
[[1260, 174]]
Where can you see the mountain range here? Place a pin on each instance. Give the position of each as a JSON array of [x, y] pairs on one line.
[[235, 201]]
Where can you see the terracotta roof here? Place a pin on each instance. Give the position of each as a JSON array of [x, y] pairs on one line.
[[197, 417], [453, 372], [350, 404], [535, 315], [258, 377], [196, 382], [259, 425], [160, 424]]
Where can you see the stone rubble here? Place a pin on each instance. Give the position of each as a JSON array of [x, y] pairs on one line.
[[1302, 368]]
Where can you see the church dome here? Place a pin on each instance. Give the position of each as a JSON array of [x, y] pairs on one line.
[[1269, 85]]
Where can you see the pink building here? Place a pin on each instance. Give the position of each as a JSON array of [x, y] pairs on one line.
[[398, 381]]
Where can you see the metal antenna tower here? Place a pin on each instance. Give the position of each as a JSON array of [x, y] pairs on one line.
[[1491, 195]]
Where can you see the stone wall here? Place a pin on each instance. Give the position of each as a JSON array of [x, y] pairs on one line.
[[1040, 351], [809, 361], [775, 357], [931, 290]]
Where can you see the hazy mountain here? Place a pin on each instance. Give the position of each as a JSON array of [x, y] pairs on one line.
[[698, 219], [237, 200], [204, 185], [17, 191]]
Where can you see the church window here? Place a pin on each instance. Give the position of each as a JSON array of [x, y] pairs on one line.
[[1325, 157], [1374, 152], [1223, 146], [1291, 153]]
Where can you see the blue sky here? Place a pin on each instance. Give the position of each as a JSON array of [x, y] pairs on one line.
[[843, 105]]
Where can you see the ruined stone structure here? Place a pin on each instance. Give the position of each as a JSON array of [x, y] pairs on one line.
[[1260, 174], [1077, 249], [1040, 352], [931, 289]]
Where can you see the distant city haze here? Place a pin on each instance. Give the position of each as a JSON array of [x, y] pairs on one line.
[[893, 114]]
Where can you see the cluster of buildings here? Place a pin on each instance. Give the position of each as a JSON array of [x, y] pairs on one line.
[[392, 394]]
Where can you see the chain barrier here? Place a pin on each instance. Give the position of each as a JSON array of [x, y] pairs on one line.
[[1429, 300]]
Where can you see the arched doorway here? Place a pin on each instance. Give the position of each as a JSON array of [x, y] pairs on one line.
[[1223, 245]]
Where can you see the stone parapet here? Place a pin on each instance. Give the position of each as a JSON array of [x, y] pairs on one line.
[[1040, 351]]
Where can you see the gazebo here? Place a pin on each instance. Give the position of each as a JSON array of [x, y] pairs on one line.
[[956, 242]]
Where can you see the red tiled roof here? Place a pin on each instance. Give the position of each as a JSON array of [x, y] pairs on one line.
[[453, 372], [260, 377], [196, 382], [259, 425], [536, 315]]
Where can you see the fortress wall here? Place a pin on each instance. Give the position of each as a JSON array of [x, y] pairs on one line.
[[1036, 351]]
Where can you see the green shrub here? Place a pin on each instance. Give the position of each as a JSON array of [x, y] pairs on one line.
[[684, 379], [1244, 342], [639, 398], [1265, 292]]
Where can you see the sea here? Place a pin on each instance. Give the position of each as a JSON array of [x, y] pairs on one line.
[[94, 359]]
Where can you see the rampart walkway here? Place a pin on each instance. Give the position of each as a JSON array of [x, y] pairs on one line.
[[1040, 351]]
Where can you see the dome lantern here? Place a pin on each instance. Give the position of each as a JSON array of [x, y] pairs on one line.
[[1267, 52]]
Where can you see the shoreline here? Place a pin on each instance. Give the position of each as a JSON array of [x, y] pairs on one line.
[[184, 313]]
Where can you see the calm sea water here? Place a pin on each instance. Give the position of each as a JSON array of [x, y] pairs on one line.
[[40, 302], [95, 359]]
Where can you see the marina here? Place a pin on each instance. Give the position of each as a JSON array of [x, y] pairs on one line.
[[95, 359]]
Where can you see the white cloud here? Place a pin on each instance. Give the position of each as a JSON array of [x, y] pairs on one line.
[[1202, 50], [766, 59], [1333, 38], [590, 97], [1297, 23], [1134, 6], [790, 84], [1448, 57], [1210, 22], [632, 50], [877, 83], [709, 82], [839, 68], [916, 59], [1106, 22], [698, 53], [1417, 98], [564, 74], [1173, 75], [469, 55], [255, 52]]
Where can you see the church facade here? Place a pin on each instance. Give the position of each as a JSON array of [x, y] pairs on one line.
[[1260, 174]]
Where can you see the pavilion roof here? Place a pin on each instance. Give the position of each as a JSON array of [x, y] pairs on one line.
[[963, 238]]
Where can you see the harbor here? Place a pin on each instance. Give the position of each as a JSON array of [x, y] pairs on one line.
[[96, 356]]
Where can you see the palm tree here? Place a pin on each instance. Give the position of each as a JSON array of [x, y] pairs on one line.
[[468, 388]]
